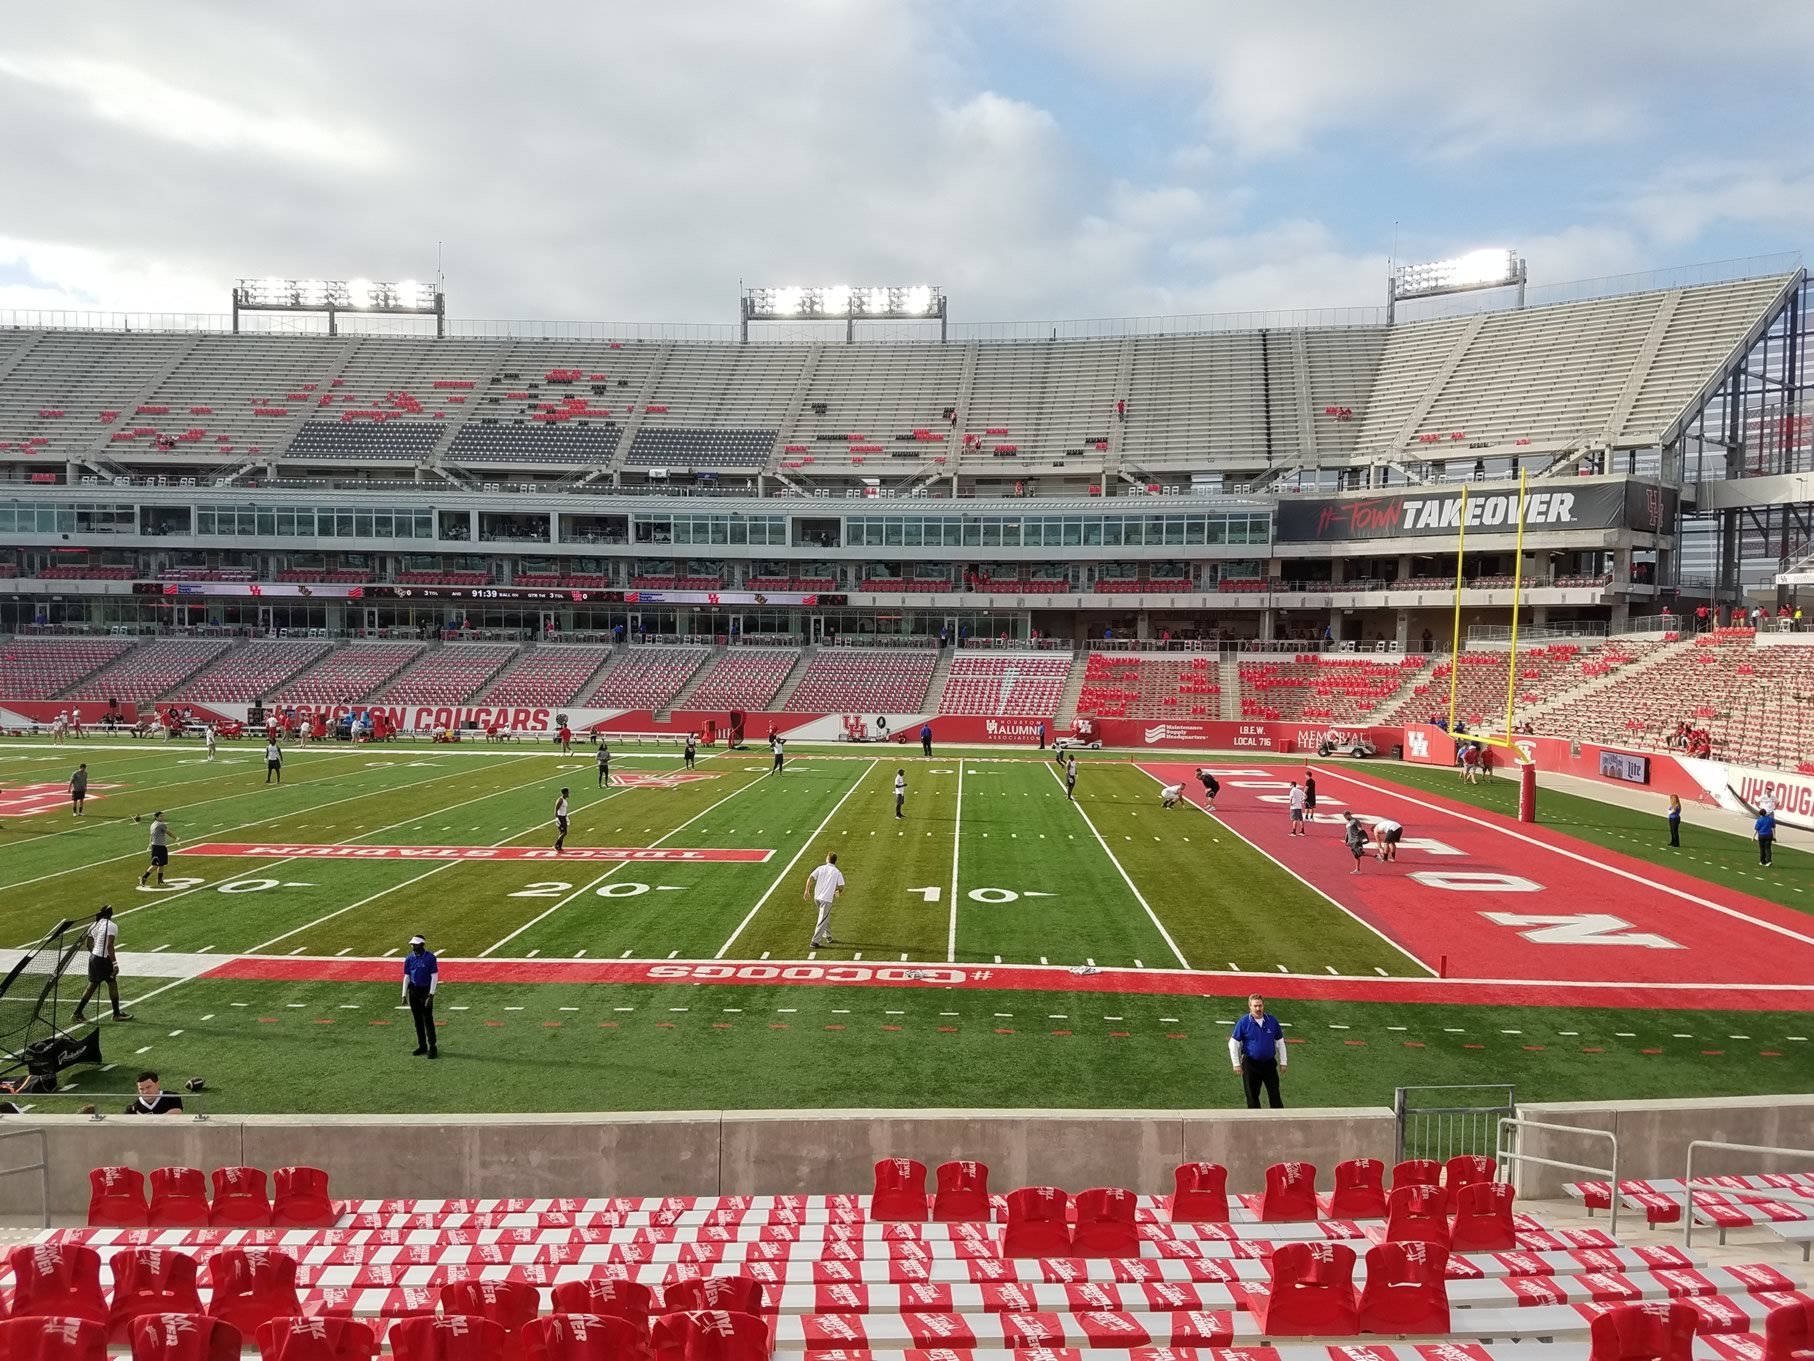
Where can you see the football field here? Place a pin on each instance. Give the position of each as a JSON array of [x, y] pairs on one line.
[[998, 945]]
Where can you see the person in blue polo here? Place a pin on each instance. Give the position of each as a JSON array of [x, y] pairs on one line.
[[1257, 1049], [421, 976]]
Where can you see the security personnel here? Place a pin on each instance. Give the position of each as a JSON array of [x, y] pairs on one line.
[[1257, 1049], [421, 976]]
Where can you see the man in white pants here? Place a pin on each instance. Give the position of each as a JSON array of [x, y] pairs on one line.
[[823, 886]]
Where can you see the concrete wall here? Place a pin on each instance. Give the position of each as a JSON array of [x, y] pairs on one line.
[[771, 1152], [1654, 1137], [697, 1153]]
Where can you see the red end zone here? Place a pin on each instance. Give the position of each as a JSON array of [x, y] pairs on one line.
[[1507, 901], [289, 851]]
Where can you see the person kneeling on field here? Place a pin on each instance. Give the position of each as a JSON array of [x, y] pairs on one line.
[[1171, 795]]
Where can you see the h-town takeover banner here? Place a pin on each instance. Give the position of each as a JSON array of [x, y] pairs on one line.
[[1740, 789], [1416, 513]]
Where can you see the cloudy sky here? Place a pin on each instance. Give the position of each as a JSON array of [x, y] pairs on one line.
[[1038, 158]]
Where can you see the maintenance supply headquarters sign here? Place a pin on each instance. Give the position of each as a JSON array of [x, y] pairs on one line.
[[1438, 514]]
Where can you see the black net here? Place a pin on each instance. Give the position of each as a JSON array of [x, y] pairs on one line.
[[33, 991]]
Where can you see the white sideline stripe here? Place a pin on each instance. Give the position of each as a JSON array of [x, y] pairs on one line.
[[1345, 911], [1683, 894], [788, 869], [957, 828], [1139, 897], [587, 888]]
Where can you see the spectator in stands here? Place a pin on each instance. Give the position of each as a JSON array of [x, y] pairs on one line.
[[1764, 832], [1257, 1050], [1429, 641], [1674, 816], [153, 1099]]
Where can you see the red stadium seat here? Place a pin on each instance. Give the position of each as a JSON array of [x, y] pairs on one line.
[[1105, 1224], [1789, 1332], [1417, 1172], [301, 1199], [1312, 1293], [57, 1280], [962, 1193], [52, 1339], [606, 1298], [1655, 1330], [151, 1281], [252, 1286], [1036, 1223], [900, 1191], [116, 1198], [583, 1337], [1290, 1193], [725, 1294], [509, 1304], [710, 1335], [1360, 1190], [326, 1337], [1199, 1193], [1418, 1214], [1465, 1169], [179, 1198], [240, 1199], [183, 1337], [1483, 1218], [1407, 1289], [432, 1337]]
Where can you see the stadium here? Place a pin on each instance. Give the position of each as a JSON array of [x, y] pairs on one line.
[[814, 832]]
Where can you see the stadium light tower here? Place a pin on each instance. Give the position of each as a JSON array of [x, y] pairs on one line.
[[335, 296], [841, 302], [1474, 272]]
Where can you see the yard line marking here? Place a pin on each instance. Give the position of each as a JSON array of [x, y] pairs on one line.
[[1139, 897], [957, 828], [586, 888], [140, 855], [264, 868], [788, 869]]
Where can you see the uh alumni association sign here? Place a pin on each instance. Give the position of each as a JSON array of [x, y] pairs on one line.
[[1639, 506]]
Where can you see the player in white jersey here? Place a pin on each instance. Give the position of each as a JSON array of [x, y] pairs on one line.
[[1171, 795], [900, 792], [823, 886], [560, 820]]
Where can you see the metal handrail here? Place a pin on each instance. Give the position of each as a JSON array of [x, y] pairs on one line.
[[1767, 1194], [1611, 1173], [41, 1167]]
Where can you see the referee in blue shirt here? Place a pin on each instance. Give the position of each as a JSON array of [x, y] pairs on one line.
[[421, 976], [1257, 1049]]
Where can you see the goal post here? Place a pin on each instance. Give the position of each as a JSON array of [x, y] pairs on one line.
[[1506, 736]]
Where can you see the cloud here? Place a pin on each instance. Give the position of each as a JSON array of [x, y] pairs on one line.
[[1429, 76], [643, 161]]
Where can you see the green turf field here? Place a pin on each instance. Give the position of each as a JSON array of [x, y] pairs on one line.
[[991, 865]]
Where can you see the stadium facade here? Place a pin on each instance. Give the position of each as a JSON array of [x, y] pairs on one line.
[[1245, 483]]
